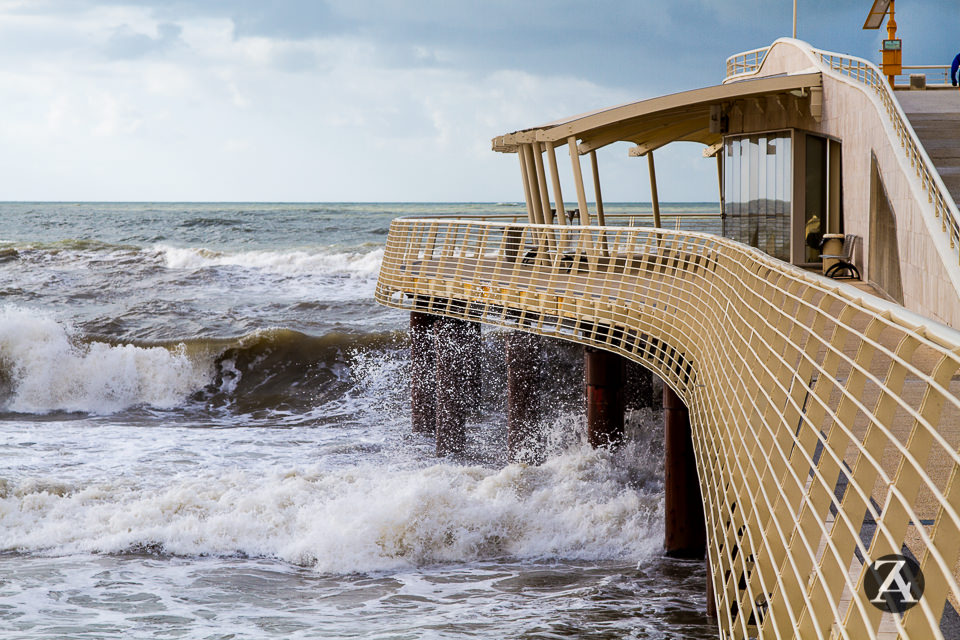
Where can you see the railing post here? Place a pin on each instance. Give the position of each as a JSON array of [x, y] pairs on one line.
[[603, 372], [458, 353], [524, 387], [423, 372], [684, 534]]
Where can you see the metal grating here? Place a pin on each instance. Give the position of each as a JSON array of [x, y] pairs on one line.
[[826, 424]]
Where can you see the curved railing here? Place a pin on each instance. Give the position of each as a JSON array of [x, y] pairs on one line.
[[826, 423], [867, 75]]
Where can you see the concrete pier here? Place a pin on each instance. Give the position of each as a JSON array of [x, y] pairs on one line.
[[684, 527], [524, 390], [458, 350], [423, 373], [603, 373]]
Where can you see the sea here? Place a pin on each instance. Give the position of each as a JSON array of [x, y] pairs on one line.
[[205, 433]]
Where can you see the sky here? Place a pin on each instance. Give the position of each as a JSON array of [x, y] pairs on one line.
[[372, 100]]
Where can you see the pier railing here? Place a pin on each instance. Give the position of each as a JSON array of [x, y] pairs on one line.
[[826, 423]]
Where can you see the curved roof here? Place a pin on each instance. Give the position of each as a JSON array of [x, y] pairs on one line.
[[657, 121]]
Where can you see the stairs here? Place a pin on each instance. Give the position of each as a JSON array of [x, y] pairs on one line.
[[935, 116]]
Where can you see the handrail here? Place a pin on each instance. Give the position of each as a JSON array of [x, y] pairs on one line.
[[867, 74], [746, 63], [825, 422]]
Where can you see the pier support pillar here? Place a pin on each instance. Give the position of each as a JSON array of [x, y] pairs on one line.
[[638, 386], [423, 373], [523, 354], [458, 347], [685, 533], [604, 386]]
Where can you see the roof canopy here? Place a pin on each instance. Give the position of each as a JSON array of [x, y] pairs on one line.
[[652, 123]]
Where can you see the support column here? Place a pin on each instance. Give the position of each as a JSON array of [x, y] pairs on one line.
[[604, 382], [523, 396], [685, 533], [654, 197], [578, 180], [458, 355], [423, 373], [637, 386]]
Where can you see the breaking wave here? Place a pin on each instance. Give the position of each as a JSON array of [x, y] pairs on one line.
[[576, 505]]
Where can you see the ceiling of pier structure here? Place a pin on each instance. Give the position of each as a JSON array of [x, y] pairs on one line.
[[652, 123]]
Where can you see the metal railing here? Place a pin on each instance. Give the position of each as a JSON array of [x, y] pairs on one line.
[[741, 64], [944, 208], [826, 423], [936, 74]]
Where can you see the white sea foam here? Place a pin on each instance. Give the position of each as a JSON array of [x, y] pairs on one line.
[[362, 518], [45, 368], [284, 262]]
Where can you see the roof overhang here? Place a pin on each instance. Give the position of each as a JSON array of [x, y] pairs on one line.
[[652, 123]]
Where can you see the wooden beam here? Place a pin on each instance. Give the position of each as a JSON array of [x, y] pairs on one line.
[[578, 179], [526, 186], [596, 188], [654, 198], [542, 181], [534, 184], [555, 176]]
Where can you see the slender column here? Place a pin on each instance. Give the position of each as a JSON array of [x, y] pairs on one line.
[[596, 187], [654, 198], [578, 180], [604, 382], [534, 184], [526, 185], [523, 396], [555, 176], [711, 598], [423, 373], [458, 353], [684, 530], [542, 180], [638, 386]]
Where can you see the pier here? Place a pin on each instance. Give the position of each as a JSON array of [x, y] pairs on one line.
[[812, 425]]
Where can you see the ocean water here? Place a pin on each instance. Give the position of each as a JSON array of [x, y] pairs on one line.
[[204, 433]]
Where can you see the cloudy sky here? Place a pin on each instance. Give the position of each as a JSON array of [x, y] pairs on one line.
[[370, 100]]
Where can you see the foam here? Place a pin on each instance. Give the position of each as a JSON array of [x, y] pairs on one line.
[[45, 368], [362, 518], [283, 262]]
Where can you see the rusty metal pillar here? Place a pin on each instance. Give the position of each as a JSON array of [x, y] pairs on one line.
[[637, 386], [458, 347], [604, 382], [685, 534], [423, 373], [711, 599], [523, 354]]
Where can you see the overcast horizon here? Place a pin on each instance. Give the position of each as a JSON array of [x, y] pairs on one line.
[[378, 101]]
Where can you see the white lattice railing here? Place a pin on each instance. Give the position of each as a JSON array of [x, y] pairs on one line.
[[825, 424]]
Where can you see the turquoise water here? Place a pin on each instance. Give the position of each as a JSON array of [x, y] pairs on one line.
[[204, 433]]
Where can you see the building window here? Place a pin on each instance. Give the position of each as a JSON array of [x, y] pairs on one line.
[[758, 187]]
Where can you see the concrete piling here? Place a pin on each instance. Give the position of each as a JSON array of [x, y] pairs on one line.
[[523, 355], [423, 373], [603, 373], [684, 527], [458, 350]]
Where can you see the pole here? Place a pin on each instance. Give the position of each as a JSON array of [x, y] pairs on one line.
[[654, 199], [603, 372], [684, 531], [794, 19], [423, 374]]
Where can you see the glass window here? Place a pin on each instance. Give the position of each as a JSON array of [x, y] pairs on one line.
[[758, 185]]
